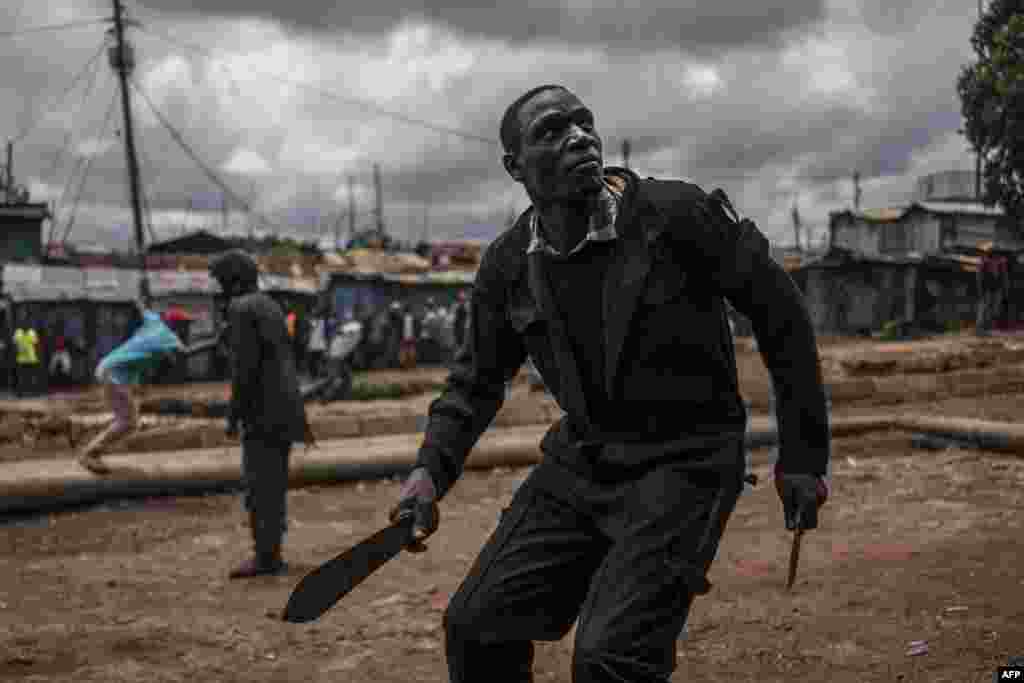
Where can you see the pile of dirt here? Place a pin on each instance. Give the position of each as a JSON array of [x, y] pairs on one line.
[[929, 357]]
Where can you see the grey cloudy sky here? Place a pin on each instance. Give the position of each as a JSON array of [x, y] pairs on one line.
[[775, 101]]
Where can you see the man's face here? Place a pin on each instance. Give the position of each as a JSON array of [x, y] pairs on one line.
[[559, 157]]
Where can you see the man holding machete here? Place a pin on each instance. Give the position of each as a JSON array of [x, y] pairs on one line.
[[614, 286]]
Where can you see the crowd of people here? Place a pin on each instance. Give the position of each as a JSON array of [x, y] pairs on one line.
[[395, 335]]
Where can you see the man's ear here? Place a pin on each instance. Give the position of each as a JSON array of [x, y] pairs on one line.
[[513, 167]]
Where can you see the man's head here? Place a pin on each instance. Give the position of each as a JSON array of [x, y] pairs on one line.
[[551, 145], [236, 272]]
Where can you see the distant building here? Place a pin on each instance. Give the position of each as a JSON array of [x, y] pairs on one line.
[[956, 186], [21, 229], [198, 242], [922, 228], [912, 265]]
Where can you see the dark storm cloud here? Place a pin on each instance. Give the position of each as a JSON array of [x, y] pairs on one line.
[[766, 99], [693, 25]]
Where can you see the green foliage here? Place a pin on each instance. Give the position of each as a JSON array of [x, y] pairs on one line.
[[363, 389], [992, 102], [891, 330]]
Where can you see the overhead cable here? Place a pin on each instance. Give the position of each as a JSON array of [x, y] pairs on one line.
[[210, 173], [37, 120], [66, 145], [85, 172], [53, 27], [332, 95]]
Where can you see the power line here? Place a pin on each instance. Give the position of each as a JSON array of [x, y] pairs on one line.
[[210, 174], [53, 27], [71, 86], [330, 94], [65, 146], [85, 172], [146, 207], [82, 160]]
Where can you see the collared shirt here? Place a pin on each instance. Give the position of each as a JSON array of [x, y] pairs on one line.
[[601, 227]]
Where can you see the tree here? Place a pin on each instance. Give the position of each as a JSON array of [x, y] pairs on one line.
[[992, 102]]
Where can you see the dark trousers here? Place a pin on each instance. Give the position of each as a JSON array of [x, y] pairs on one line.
[[627, 558], [30, 379], [265, 477]]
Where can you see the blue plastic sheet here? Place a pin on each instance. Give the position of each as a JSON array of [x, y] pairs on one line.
[[142, 351]]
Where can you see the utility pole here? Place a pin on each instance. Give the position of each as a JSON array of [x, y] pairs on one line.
[[123, 60], [426, 221], [9, 181], [379, 211], [224, 214], [795, 213], [625, 152], [248, 218], [856, 191], [977, 154], [351, 209]]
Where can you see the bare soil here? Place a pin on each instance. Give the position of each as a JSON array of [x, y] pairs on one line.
[[913, 546]]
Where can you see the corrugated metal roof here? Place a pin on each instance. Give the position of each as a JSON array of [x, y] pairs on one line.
[[270, 282], [888, 215], [164, 282], [50, 283], [972, 208], [895, 214]]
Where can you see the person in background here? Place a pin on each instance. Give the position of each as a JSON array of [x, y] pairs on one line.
[[395, 323], [60, 359], [317, 342], [266, 407], [461, 319], [993, 284], [407, 348], [26, 345], [291, 320], [7, 365], [150, 344]]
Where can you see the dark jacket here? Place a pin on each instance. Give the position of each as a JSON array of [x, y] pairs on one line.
[[264, 384], [671, 367]]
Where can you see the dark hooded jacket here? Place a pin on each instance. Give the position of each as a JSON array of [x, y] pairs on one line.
[[265, 396], [670, 381]]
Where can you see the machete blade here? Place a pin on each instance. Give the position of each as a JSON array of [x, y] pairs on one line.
[[794, 558], [322, 588]]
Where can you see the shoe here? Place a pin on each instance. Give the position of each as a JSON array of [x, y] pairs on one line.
[[257, 566], [93, 463]]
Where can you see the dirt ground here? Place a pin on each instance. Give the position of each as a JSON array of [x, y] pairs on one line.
[[914, 546]]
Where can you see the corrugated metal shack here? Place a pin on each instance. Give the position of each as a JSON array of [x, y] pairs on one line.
[[91, 308], [852, 293], [369, 280], [914, 265]]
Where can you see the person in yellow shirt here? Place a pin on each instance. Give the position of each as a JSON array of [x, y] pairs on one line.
[[26, 346]]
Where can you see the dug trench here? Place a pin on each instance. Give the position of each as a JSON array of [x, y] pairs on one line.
[[860, 376]]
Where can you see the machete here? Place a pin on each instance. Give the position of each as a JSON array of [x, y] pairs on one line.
[[794, 553], [322, 588], [794, 558]]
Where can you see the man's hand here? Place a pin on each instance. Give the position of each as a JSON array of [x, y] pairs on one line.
[[801, 496], [419, 495]]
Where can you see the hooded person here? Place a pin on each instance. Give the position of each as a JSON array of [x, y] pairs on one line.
[[266, 405]]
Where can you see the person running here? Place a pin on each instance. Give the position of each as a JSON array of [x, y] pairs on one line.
[[149, 345]]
